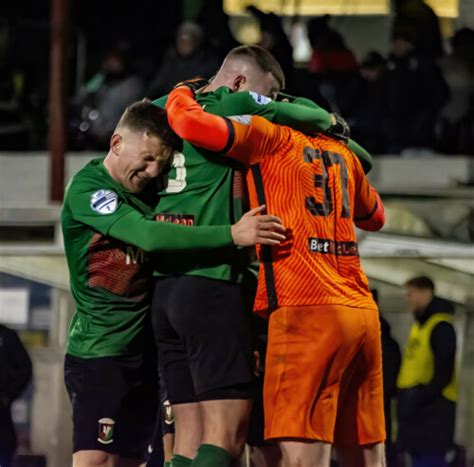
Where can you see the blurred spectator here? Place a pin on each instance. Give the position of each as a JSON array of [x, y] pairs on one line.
[[391, 359], [363, 103], [416, 92], [215, 22], [332, 63], [427, 387], [15, 373], [418, 18], [187, 59], [102, 100], [14, 131], [330, 53], [275, 40], [455, 129]]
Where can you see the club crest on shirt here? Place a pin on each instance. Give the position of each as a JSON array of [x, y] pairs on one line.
[[106, 430], [244, 119], [168, 413], [259, 99], [104, 202]]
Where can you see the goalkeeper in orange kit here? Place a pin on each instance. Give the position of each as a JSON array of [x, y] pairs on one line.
[[323, 376]]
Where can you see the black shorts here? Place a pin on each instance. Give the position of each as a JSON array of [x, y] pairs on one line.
[[204, 339], [114, 404]]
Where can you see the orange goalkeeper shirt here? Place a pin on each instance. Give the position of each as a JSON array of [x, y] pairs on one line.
[[315, 185]]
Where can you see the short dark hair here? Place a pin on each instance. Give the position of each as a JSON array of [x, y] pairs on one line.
[[263, 58], [147, 117], [421, 282]]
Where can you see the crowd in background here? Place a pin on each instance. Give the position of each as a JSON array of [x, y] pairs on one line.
[[419, 96]]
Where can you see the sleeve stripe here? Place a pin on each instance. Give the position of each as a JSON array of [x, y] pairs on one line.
[[368, 216], [266, 251], [230, 139]]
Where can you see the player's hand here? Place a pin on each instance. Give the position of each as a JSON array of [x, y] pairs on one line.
[[264, 229], [195, 84], [339, 129]]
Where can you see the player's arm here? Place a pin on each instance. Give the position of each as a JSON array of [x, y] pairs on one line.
[[305, 118], [131, 226], [246, 142], [364, 156], [369, 213], [191, 123], [160, 102]]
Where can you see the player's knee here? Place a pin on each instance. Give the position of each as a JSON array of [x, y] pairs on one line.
[[294, 461], [94, 459], [315, 454], [236, 448], [374, 455]]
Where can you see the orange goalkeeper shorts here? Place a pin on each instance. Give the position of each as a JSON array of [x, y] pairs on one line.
[[323, 375]]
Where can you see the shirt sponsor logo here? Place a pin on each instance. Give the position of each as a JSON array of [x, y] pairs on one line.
[[243, 119], [182, 219], [106, 431], [331, 247], [104, 202], [134, 255], [259, 99]]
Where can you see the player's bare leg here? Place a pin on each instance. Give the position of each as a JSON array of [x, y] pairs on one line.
[[168, 446], [371, 455], [305, 454], [265, 456], [225, 423], [94, 458], [188, 429]]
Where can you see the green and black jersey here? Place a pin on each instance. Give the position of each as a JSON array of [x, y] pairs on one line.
[[201, 186], [108, 233]]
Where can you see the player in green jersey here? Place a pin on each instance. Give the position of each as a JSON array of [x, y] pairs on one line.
[[203, 191], [108, 227]]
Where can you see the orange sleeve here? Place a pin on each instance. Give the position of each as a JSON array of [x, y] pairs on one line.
[[369, 213], [255, 138], [189, 121], [245, 138]]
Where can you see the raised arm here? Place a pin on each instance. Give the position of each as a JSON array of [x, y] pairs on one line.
[[190, 122], [245, 138], [369, 210]]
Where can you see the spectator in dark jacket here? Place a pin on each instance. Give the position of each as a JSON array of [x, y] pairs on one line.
[[332, 63], [14, 133], [15, 373], [363, 103], [416, 92], [215, 21], [187, 59], [455, 128], [104, 97], [420, 18], [275, 40], [391, 358], [427, 387], [330, 52]]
